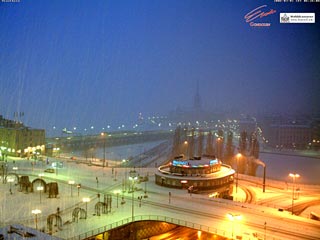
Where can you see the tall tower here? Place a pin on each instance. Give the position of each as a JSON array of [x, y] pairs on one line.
[[197, 99]]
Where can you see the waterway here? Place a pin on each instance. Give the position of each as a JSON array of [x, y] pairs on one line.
[[279, 165]]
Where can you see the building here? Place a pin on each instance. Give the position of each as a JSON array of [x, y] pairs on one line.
[[198, 174], [289, 136], [19, 140]]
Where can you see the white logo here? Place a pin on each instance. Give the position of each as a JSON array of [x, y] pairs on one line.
[[297, 18]]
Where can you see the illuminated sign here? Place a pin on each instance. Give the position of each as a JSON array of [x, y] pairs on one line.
[[213, 162], [179, 163]]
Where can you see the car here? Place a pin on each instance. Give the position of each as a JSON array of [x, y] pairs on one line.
[[49, 170]]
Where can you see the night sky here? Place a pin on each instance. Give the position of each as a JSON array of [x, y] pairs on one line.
[[68, 63]]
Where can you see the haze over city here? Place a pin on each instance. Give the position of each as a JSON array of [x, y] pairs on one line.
[[84, 63], [159, 119]]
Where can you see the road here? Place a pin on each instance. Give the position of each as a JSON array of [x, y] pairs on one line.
[[195, 210]]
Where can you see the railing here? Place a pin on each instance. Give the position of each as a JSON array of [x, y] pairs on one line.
[[179, 222]]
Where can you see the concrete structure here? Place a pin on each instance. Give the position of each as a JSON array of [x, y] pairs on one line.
[[289, 135], [19, 140], [200, 174], [19, 232]]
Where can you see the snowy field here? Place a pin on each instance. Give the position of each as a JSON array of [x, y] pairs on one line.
[[17, 207]]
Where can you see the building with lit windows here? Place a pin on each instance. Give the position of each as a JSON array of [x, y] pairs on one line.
[[289, 135], [19, 140], [197, 175]]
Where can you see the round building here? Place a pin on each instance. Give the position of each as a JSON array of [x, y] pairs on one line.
[[197, 175]]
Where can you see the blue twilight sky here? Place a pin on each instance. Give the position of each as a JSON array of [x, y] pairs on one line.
[[82, 63]]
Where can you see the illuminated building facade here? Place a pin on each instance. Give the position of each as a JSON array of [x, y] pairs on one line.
[[19, 140], [199, 174], [289, 136]]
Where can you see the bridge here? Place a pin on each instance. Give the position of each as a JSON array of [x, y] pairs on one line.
[[71, 142]]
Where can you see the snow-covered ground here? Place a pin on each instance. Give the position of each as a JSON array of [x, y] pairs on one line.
[[17, 207]]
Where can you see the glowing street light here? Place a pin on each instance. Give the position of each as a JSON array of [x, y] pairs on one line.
[[133, 177], [71, 182], [40, 188], [78, 186], [219, 140], [104, 148], [239, 155], [124, 162], [294, 176], [232, 217], [36, 212], [86, 200]]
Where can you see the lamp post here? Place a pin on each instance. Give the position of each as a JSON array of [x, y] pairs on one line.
[[104, 149], [133, 177], [86, 200], [294, 176], [232, 217], [238, 156], [36, 212], [78, 186], [218, 148], [40, 188], [10, 180], [124, 161], [71, 182], [117, 193], [185, 143]]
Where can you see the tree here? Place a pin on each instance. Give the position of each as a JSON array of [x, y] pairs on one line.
[[176, 142], [254, 146], [229, 148], [191, 144], [243, 143], [200, 144], [209, 146]]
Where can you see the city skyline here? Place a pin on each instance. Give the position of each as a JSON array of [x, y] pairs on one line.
[[78, 63]]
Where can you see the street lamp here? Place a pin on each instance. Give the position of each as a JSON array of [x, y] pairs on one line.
[[10, 180], [71, 182], [36, 212], [124, 162], [233, 217], [219, 147], [40, 188], [86, 200], [238, 156], [78, 186], [294, 176], [117, 193], [133, 177], [185, 149], [104, 148]]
